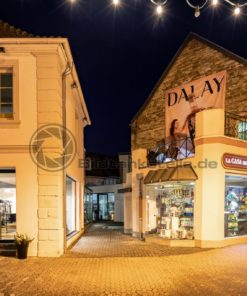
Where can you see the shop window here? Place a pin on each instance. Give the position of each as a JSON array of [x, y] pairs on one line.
[[235, 206], [170, 208], [88, 206], [111, 205], [7, 204], [70, 206]]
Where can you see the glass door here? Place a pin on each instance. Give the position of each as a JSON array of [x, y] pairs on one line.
[[7, 204], [103, 207]]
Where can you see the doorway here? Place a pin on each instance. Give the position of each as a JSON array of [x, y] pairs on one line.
[[103, 206]]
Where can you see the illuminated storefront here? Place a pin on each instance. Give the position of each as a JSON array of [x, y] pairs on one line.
[[189, 164]]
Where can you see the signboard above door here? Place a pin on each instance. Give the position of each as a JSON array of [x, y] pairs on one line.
[[236, 162]]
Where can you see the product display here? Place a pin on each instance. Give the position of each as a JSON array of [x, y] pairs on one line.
[[7, 219], [175, 207], [236, 211]]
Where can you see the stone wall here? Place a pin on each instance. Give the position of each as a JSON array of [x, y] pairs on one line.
[[196, 60]]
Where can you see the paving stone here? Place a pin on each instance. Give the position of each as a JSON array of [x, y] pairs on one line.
[[107, 262]]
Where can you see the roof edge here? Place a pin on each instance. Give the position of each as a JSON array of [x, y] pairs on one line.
[[189, 37]]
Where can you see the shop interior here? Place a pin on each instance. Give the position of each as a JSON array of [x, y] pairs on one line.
[[170, 207], [7, 204], [235, 205]]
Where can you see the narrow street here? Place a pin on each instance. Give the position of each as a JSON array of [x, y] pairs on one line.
[[107, 262], [107, 240]]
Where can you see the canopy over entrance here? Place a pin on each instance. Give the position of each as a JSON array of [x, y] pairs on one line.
[[180, 173]]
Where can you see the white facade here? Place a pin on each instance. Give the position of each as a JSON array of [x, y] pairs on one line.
[[42, 95]]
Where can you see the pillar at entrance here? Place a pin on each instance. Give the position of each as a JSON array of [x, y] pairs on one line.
[[139, 158], [210, 186]]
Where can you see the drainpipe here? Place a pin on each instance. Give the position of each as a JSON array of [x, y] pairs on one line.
[[140, 181], [66, 72]]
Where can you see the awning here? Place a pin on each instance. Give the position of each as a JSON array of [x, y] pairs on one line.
[[183, 173], [180, 173], [149, 178]]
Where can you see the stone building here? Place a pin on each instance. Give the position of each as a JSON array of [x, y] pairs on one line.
[[42, 119], [173, 196]]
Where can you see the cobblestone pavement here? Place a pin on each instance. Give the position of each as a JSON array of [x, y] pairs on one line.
[[105, 262], [108, 240]]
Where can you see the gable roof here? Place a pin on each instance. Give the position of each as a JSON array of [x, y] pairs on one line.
[[7, 31], [190, 37]]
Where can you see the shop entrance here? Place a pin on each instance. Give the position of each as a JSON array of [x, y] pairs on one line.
[[7, 204], [103, 206]]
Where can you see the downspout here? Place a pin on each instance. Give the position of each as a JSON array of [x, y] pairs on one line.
[[140, 198], [66, 72]]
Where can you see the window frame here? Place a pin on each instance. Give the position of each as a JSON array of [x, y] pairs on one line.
[[242, 130], [14, 66], [74, 188]]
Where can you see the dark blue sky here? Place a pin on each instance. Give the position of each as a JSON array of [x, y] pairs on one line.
[[120, 54]]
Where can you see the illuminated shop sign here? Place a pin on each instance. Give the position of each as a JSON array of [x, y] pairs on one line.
[[232, 161]]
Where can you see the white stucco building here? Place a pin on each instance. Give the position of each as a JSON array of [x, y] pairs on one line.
[[40, 195]]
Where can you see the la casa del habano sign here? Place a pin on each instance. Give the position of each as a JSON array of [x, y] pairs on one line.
[[232, 161]]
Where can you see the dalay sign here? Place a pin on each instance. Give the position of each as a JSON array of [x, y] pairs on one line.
[[231, 161], [183, 102]]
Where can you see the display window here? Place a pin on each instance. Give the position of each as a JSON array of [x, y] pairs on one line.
[[70, 206], [88, 206], [7, 204], [170, 209], [235, 206]]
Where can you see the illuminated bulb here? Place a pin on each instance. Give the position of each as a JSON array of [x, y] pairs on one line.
[[115, 2], [159, 9], [72, 1], [237, 10], [215, 2], [197, 11]]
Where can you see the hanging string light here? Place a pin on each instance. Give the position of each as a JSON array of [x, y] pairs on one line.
[[198, 8], [116, 2], [159, 5]]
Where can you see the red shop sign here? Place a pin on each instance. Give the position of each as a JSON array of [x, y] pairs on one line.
[[231, 161]]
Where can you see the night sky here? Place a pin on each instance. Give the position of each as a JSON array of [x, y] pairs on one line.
[[121, 53]]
